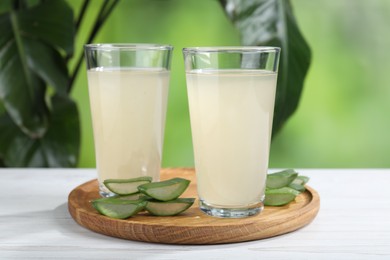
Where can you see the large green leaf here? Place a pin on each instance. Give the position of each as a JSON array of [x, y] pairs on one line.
[[51, 21], [272, 23], [59, 147], [48, 64], [17, 84], [30, 46]]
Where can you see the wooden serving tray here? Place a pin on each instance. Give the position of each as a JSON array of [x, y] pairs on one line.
[[192, 226]]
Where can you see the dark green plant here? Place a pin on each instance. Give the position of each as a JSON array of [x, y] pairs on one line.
[[39, 122]]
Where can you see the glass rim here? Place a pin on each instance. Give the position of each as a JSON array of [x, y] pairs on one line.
[[231, 49], [128, 46]]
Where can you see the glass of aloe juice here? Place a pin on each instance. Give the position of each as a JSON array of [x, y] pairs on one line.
[[128, 92], [231, 94]]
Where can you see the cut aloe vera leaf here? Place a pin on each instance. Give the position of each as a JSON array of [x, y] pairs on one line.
[[304, 179], [297, 187], [135, 196], [279, 197], [297, 184], [298, 181], [116, 208], [281, 179], [126, 186], [169, 208], [165, 190]]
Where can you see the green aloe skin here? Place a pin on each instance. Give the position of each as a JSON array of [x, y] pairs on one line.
[[283, 187], [126, 186], [137, 194], [162, 198]]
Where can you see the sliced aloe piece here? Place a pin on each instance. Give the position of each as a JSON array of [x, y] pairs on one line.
[[281, 179], [297, 187], [304, 179], [165, 190], [169, 208], [116, 208], [297, 184], [298, 181], [126, 186], [279, 197], [135, 196]]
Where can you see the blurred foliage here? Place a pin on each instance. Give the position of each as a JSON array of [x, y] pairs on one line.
[[39, 121], [342, 120], [342, 117], [39, 124]]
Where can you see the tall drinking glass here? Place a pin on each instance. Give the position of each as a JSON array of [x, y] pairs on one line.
[[231, 93], [128, 92]]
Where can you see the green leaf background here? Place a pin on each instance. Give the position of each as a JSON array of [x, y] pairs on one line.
[[33, 51], [341, 119], [39, 122]]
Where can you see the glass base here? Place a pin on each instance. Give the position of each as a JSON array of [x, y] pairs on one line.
[[104, 192], [221, 212]]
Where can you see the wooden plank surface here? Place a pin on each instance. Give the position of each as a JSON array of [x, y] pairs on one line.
[[353, 222], [192, 226]]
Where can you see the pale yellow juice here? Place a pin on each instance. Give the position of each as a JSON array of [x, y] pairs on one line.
[[231, 121], [128, 115]]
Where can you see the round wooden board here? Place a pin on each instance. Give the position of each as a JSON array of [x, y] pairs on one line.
[[192, 226]]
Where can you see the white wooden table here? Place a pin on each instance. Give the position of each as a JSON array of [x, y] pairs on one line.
[[353, 222]]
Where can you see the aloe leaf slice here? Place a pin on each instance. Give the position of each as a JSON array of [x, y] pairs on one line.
[[297, 181], [279, 197], [304, 179], [169, 208], [281, 179], [297, 184], [116, 208], [165, 190], [135, 196], [126, 186], [297, 187]]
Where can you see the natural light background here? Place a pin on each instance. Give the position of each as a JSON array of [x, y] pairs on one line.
[[343, 118]]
